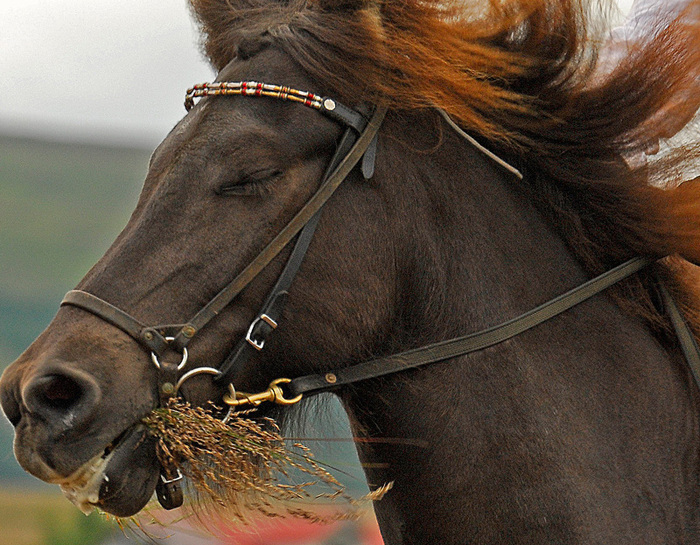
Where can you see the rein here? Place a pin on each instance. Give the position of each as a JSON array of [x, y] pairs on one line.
[[358, 144], [462, 346], [474, 342]]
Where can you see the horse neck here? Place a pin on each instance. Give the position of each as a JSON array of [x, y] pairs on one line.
[[475, 249], [536, 413]]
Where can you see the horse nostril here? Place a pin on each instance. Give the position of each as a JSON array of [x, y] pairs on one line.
[[59, 392], [67, 397]]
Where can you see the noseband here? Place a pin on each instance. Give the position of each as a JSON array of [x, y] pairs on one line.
[[357, 143]]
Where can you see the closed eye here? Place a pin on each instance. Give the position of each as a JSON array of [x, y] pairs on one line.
[[254, 183]]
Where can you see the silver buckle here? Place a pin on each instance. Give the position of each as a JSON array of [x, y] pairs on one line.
[[258, 345], [175, 479]]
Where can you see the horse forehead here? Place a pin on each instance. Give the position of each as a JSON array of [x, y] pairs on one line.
[[179, 135], [187, 124], [269, 65], [196, 129]]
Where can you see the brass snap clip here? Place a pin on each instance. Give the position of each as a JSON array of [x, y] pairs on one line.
[[274, 393]]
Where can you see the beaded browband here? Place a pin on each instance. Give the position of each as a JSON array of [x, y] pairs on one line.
[[326, 106]]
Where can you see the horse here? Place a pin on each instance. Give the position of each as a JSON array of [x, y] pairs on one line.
[[350, 116]]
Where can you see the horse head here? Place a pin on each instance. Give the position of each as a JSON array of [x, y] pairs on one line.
[[224, 182], [418, 237]]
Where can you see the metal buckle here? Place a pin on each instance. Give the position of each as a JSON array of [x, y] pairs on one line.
[[258, 345], [175, 479]]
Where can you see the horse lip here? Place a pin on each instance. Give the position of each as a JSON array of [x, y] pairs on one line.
[[114, 445], [130, 473], [82, 488]]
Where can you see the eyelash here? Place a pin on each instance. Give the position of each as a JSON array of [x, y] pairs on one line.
[[252, 185]]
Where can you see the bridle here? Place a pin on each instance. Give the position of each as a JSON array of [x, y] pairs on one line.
[[358, 143]]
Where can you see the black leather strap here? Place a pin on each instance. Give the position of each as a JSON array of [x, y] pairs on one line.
[[270, 314], [369, 159], [461, 346], [149, 337], [315, 203], [347, 116]]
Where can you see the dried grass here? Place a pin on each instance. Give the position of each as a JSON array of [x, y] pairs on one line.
[[245, 467]]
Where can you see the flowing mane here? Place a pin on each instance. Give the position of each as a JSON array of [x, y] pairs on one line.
[[520, 74]]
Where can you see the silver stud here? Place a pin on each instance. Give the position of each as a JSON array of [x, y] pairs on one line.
[[329, 104]]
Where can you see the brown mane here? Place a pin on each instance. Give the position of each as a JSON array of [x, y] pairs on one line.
[[521, 74]]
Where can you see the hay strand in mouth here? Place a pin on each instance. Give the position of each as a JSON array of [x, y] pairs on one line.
[[244, 466]]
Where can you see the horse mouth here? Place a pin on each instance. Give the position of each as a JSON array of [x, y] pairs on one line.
[[120, 480], [82, 488]]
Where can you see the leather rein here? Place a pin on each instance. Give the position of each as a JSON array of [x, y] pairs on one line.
[[358, 144]]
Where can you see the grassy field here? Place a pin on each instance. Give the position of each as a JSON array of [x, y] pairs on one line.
[[46, 518]]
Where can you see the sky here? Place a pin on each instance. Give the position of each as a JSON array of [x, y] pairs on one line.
[[83, 69], [99, 70]]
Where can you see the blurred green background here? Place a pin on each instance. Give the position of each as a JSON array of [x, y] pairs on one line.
[[61, 205]]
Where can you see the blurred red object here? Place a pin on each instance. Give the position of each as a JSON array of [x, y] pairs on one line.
[[301, 532]]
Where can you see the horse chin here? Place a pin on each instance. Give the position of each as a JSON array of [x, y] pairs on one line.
[[119, 481]]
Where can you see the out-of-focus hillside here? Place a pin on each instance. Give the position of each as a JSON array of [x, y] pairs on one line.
[[60, 207]]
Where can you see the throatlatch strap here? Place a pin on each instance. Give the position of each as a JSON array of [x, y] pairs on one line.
[[689, 345], [461, 346]]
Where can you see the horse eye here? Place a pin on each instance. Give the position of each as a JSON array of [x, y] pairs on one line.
[[253, 183]]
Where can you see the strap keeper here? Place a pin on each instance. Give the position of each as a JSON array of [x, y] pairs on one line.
[[369, 159], [338, 112]]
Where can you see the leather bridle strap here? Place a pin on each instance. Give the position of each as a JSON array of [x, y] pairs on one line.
[[153, 338], [314, 204], [269, 315], [149, 337], [461, 346]]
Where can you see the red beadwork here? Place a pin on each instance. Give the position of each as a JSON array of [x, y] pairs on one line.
[[251, 88]]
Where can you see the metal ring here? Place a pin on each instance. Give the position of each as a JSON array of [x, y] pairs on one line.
[[191, 373], [155, 361], [231, 390], [232, 393], [228, 415], [183, 362]]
